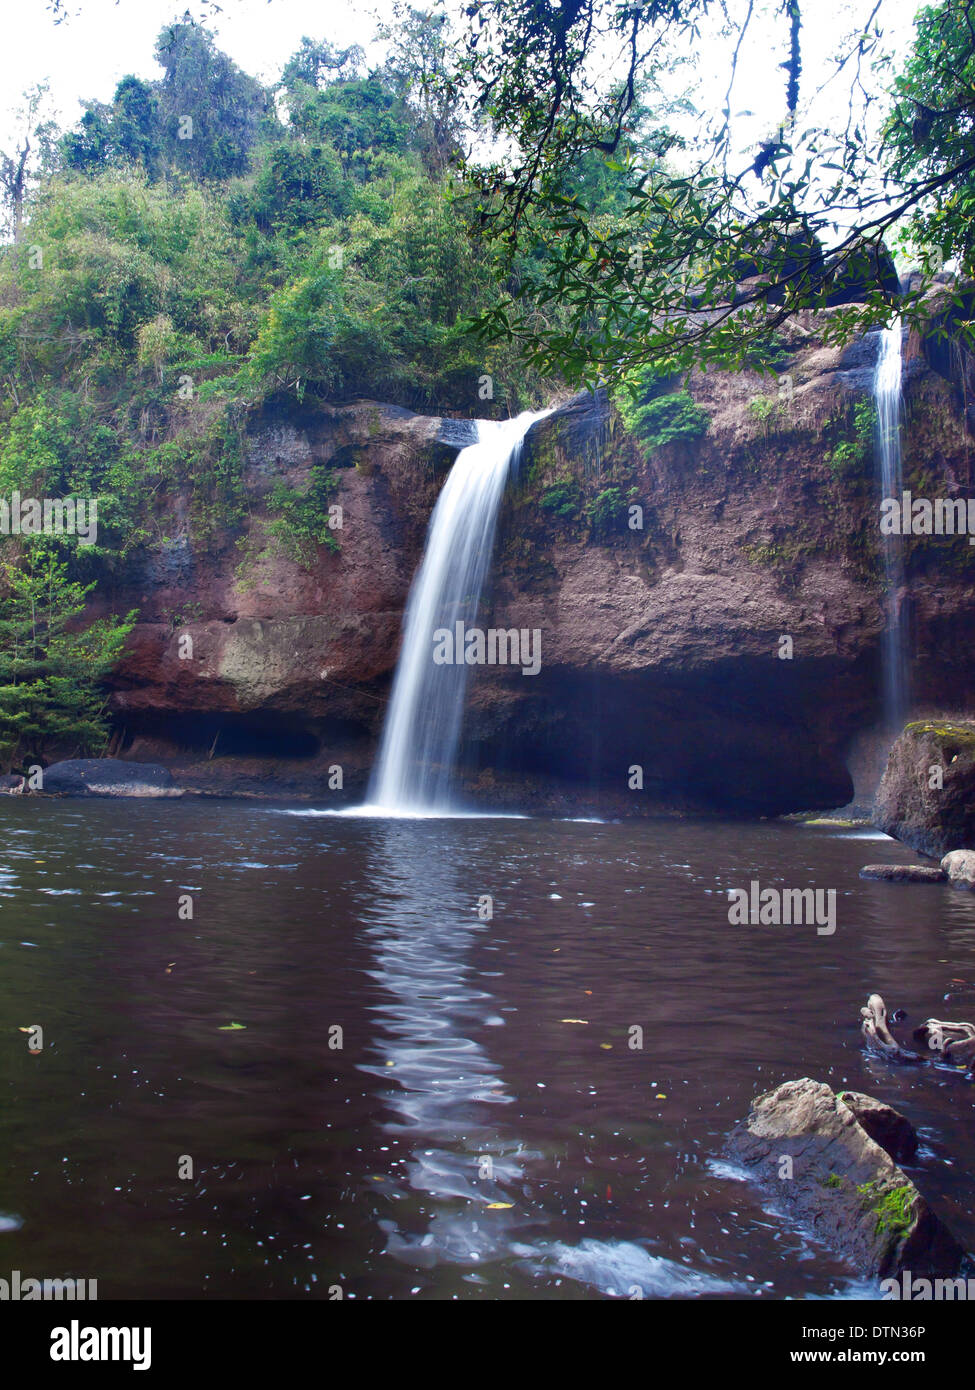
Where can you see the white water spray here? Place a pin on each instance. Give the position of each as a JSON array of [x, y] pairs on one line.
[[888, 399], [422, 729]]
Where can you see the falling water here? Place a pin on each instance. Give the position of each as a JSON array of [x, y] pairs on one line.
[[888, 398], [422, 728]]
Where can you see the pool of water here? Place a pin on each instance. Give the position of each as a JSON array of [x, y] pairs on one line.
[[435, 1091]]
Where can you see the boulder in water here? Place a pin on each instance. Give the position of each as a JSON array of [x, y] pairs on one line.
[[903, 873], [959, 868], [108, 777], [810, 1150], [926, 797]]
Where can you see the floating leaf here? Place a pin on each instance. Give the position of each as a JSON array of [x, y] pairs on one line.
[[500, 1206], [231, 1027], [573, 1020], [606, 1046]]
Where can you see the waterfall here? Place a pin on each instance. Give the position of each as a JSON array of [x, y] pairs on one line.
[[888, 399], [422, 728]]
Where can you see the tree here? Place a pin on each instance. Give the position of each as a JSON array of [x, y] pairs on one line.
[[135, 132], [300, 184], [33, 145], [51, 667], [799, 218], [126, 132], [419, 69], [294, 343], [210, 112], [314, 60], [87, 149], [203, 118], [355, 117], [931, 133]]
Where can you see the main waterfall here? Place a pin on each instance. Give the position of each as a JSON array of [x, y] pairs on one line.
[[888, 399], [421, 734]]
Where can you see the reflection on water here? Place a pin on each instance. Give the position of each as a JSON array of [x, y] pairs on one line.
[[485, 1130], [444, 1085], [443, 1088]]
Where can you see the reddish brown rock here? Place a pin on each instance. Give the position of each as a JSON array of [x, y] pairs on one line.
[[927, 794], [662, 647]]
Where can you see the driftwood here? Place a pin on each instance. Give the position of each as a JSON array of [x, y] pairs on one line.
[[878, 1035], [954, 1041]]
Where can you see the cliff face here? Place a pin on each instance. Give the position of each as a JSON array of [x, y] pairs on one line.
[[286, 657], [729, 647]]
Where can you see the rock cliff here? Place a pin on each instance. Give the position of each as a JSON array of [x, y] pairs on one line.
[[724, 638]]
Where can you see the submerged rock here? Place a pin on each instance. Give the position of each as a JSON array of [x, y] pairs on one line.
[[926, 797], [959, 867], [904, 873], [809, 1149], [108, 777]]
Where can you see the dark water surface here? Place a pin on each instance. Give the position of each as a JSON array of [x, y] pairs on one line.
[[459, 1083]]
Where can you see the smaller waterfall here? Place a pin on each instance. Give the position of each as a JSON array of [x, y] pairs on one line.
[[888, 399], [422, 729]]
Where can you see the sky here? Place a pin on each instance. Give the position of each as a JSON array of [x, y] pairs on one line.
[[102, 41]]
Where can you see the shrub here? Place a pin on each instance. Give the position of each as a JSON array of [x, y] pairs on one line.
[[563, 498], [608, 510], [654, 416], [666, 418], [303, 517], [850, 456]]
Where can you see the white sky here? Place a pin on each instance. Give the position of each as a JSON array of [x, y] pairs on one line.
[[102, 40]]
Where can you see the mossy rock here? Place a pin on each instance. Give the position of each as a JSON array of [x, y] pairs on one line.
[[892, 1207], [817, 1160], [926, 797]]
